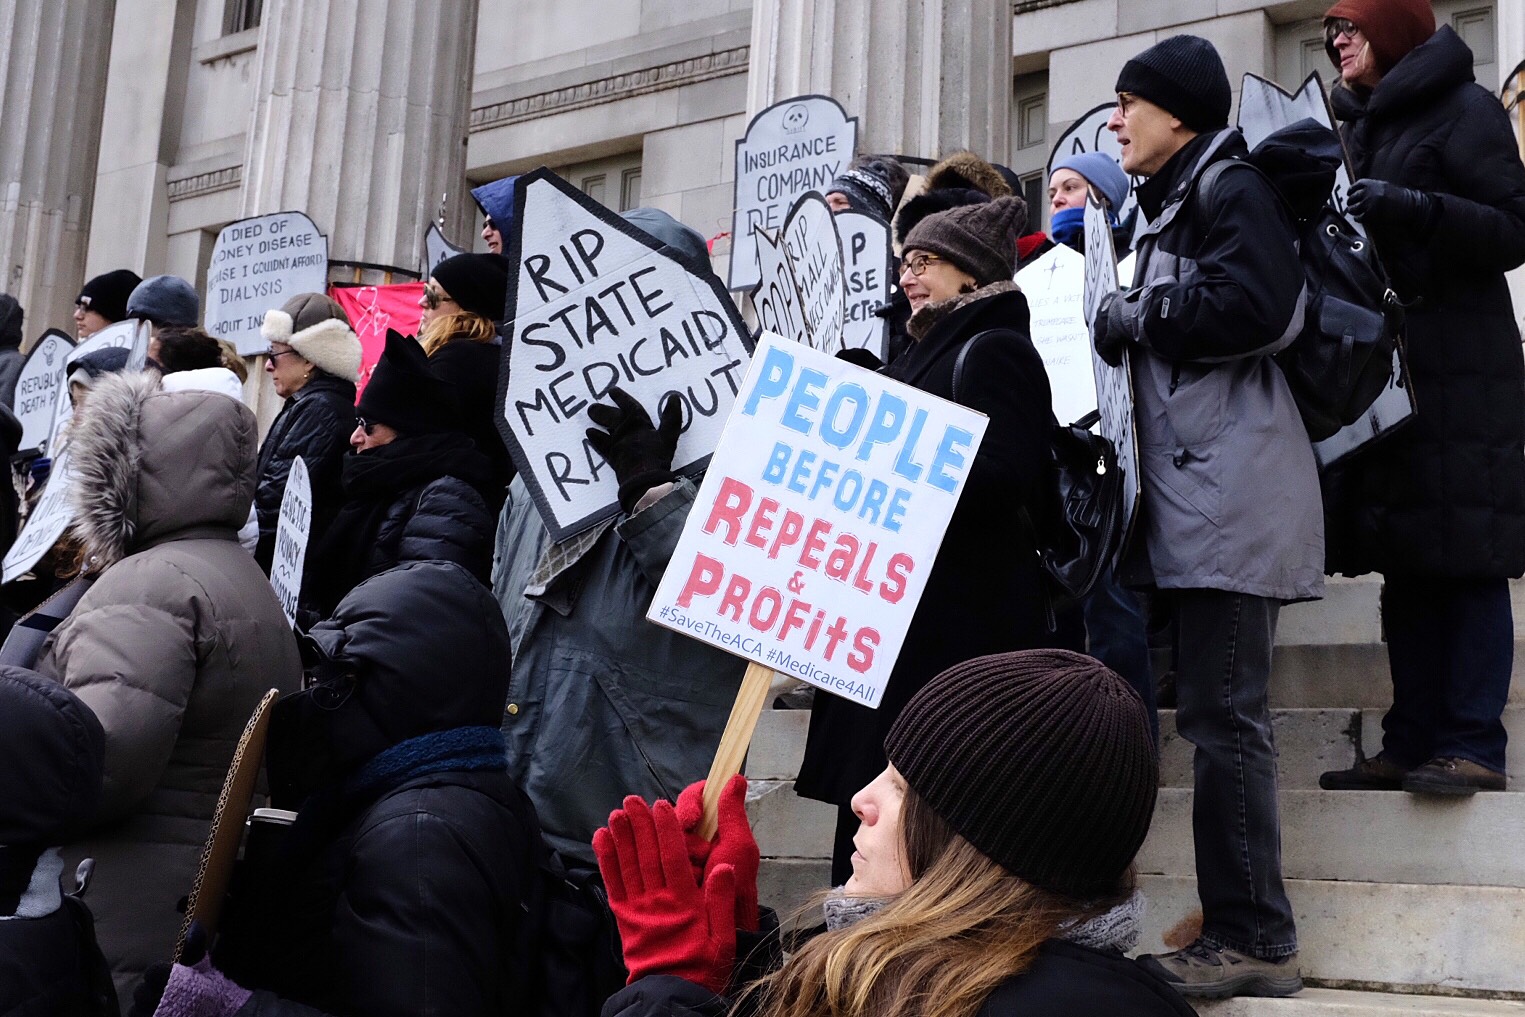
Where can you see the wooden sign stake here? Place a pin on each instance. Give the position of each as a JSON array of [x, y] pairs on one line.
[[735, 741]]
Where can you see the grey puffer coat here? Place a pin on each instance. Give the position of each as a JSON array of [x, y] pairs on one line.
[[172, 647]]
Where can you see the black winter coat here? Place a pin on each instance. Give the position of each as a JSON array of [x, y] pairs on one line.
[[985, 593], [473, 367], [315, 423], [1445, 495], [51, 966], [1064, 981]]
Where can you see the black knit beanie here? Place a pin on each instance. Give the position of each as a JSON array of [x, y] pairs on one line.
[[980, 239], [403, 394], [478, 282], [1184, 76], [1042, 759], [107, 294]]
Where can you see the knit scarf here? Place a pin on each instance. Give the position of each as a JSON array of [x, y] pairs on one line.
[[461, 749]]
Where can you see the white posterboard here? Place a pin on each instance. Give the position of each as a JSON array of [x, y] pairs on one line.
[[437, 249], [814, 251], [594, 303], [1114, 385], [258, 264], [777, 297], [812, 537], [791, 148], [49, 519], [1054, 285], [1090, 134], [291, 534], [39, 387], [868, 260], [131, 335], [1264, 107]]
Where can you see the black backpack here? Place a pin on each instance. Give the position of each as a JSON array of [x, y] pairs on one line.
[[571, 939], [1342, 359]]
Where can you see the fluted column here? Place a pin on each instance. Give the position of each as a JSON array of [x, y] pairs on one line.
[[923, 76], [360, 121], [53, 59]]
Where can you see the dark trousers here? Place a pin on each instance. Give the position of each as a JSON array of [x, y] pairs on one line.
[[1450, 646], [1223, 672], [1117, 635]]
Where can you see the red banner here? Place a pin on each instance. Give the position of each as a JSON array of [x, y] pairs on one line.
[[374, 309]]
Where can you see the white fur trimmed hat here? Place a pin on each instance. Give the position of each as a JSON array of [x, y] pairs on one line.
[[318, 329]]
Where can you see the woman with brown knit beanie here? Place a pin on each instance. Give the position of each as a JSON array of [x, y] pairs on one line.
[[992, 875], [1437, 507], [985, 593]]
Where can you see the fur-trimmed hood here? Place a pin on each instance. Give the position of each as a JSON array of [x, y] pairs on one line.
[[150, 464], [923, 320], [965, 169]]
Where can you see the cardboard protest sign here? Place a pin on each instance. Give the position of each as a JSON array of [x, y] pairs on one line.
[[372, 310], [1090, 134], [594, 302], [1114, 385], [131, 335], [258, 264], [816, 527], [436, 249], [869, 263], [1264, 107], [1055, 288], [291, 534], [38, 387], [815, 254], [777, 297], [49, 519], [791, 148]]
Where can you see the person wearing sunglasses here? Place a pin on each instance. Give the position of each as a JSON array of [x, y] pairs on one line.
[[102, 301], [414, 486], [1437, 507]]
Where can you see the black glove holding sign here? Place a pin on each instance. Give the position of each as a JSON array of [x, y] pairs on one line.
[[1109, 337], [640, 453], [1379, 202]]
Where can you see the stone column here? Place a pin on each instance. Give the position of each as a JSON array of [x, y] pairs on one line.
[[53, 59], [924, 77], [360, 121]]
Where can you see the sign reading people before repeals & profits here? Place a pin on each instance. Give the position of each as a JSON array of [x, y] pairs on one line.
[[868, 261], [291, 533], [811, 539], [258, 264], [594, 303], [39, 386], [791, 148]]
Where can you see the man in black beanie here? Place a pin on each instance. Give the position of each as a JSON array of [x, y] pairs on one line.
[[1231, 524], [103, 301]]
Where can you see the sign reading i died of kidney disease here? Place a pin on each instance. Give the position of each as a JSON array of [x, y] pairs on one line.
[[258, 264], [811, 539]]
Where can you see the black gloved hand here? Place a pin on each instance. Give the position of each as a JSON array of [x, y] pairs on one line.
[[640, 453], [145, 998], [1108, 337], [1379, 201], [860, 356]]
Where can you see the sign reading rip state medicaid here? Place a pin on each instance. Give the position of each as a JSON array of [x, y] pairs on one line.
[[812, 537], [1055, 288], [594, 302], [868, 260], [39, 387], [291, 534], [791, 148], [258, 264]]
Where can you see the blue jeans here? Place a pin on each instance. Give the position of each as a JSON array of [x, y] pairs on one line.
[[1223, 672], [1450, 646], [1116, 635]]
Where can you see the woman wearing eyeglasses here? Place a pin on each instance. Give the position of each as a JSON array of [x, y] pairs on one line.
[[985, 593], [1437, 507], [314, 362], [415, 487], [462, 303]]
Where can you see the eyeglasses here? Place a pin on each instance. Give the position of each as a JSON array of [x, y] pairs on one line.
[[365, 425], [488, 224], [82, 304], [918, 262], [1336, 27], [1127, 102], [434, 297]]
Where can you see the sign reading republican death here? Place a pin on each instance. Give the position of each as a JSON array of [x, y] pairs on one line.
[[131, 335], [869, 263], [258, 264], [39, 387], [1055, 288], [791, 148], [1090, 134], [291, 533], [811, 539], [594, 303]]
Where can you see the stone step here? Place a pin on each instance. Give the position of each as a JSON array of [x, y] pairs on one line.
[[1350, 675], [1350, 612], [1365, 836], [1380, 936], [1347, 1003]]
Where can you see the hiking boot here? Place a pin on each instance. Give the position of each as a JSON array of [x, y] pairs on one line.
[[1209, 973], [1455, 777], [1375, 774]]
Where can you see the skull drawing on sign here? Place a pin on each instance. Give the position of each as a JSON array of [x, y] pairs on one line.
[[796, 117]]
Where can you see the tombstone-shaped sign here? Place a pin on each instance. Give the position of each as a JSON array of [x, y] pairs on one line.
[[868, 262], [437, 249], [594, 303], [811, 539], [1114, 385], [258, 264], [1055, 288], [291, 534], [49, 519], [791, 148], [1264, 107], [1090, 134], [815, 254], [131, 335], [39, 386], [777, 297]]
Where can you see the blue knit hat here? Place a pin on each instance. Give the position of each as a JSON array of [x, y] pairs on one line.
[[1102, 172]]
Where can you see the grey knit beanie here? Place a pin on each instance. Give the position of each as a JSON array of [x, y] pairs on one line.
[[980, 239], [1042, 759], [165, 300]]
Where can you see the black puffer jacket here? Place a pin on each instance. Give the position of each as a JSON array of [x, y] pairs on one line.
[[315, 424], [472, 368], [1445, 495]]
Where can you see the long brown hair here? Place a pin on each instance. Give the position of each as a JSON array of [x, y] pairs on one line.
[[455, 325], [939, 949]]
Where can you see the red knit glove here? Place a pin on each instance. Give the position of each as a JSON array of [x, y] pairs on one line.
[[733, 845], [668, 925]]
